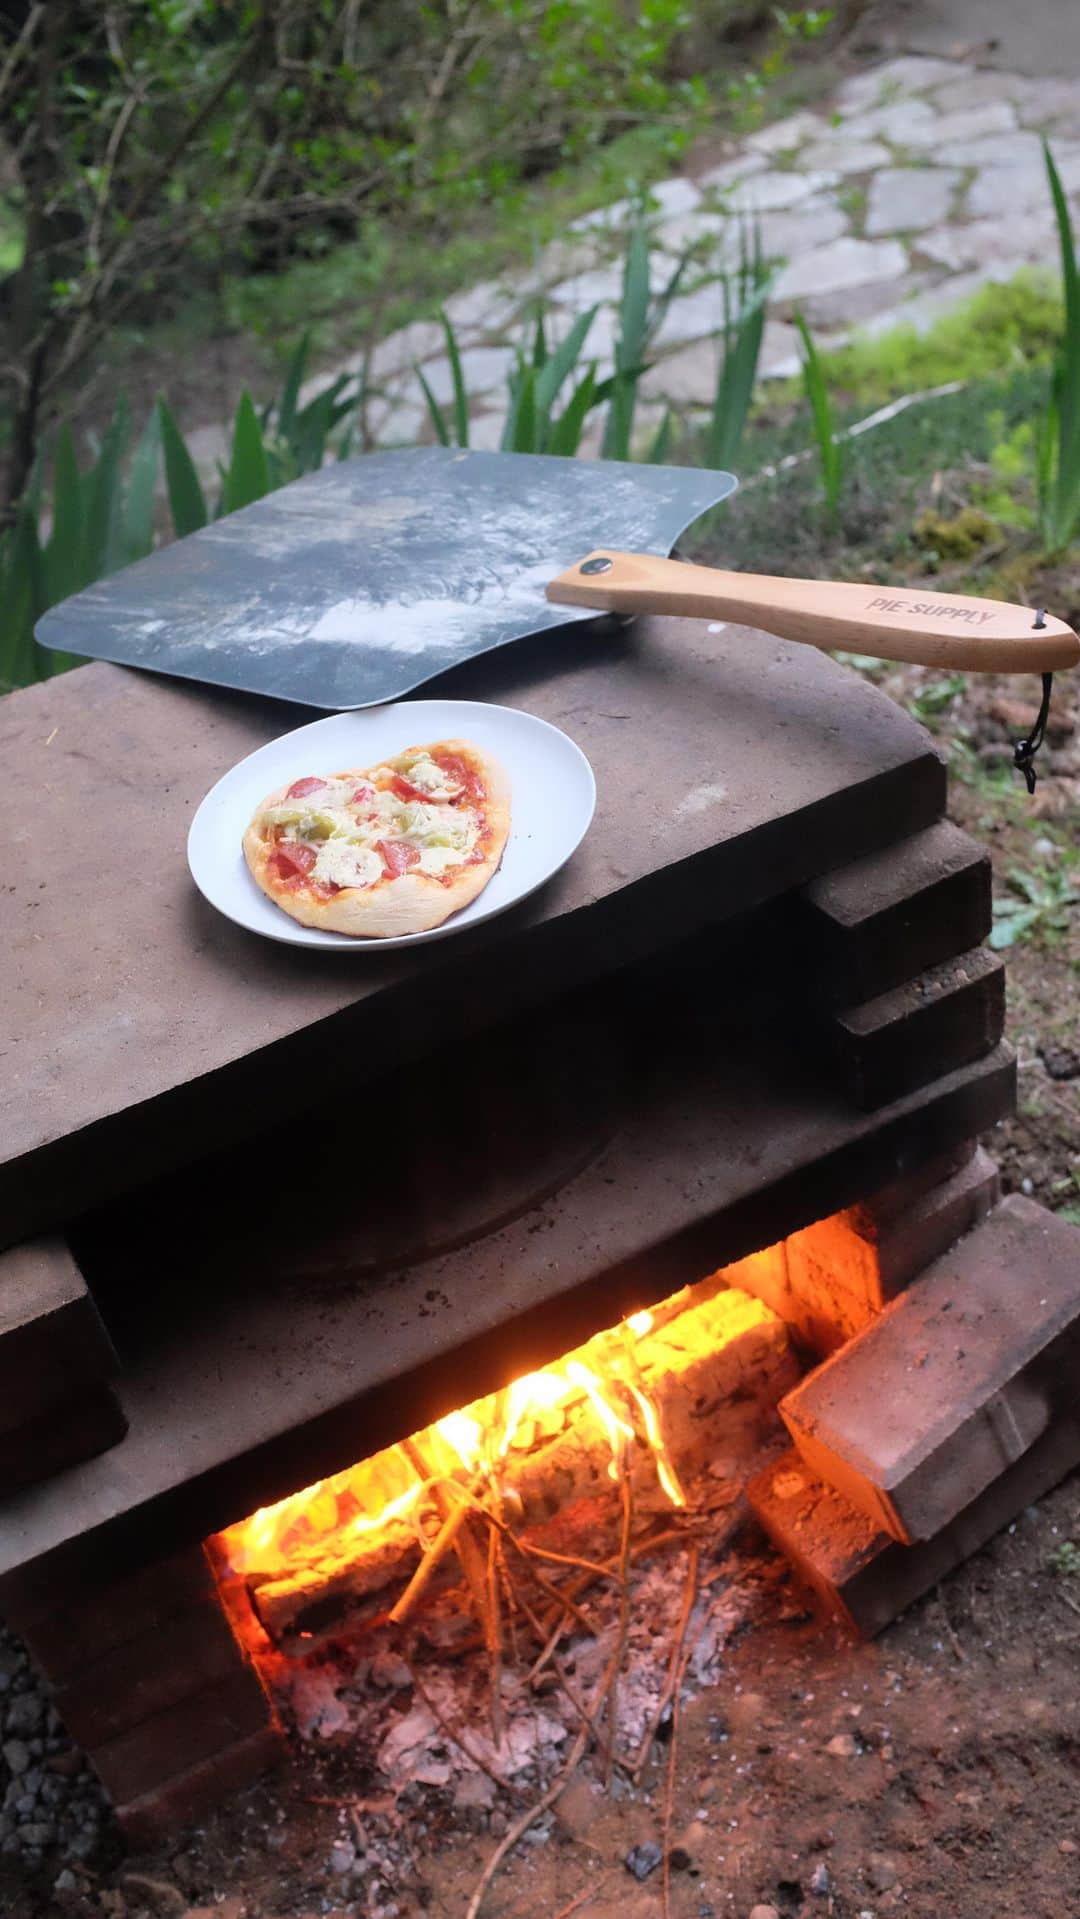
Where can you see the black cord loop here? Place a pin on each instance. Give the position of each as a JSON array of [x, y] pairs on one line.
[[1025, 750]]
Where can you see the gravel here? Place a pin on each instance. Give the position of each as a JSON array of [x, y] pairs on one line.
[[52, 1809]]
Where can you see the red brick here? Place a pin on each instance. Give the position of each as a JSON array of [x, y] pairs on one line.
[[147, 1675], [157, 1815], [831, 1279], [907, 1240], [898, 1195], [954, 1381], [880, 920], [945, 1018], [173, 1741], [93, 1617], [861, 1574]]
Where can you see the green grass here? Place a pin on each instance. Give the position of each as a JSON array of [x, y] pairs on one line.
[[1009, 326]]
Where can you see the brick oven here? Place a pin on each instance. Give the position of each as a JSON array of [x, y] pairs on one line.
[[742, 1046]]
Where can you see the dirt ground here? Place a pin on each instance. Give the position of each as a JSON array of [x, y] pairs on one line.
[[933, 1773]]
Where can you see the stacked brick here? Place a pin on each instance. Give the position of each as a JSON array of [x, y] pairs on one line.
[[955, 1407], [57, 1404], [148, 1675], [906, 991]]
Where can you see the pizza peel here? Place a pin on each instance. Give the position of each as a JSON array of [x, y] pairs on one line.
[[361, 582]]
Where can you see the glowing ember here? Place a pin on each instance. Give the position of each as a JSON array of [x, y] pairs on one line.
[[382, 1494]]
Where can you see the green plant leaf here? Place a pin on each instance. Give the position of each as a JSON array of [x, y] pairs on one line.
[[830, 453], [661, 445], [290, 392], [438, 417], [561, 362], [137, 524], [20, 600], [461, 398], [525, 416], [103, 500], [248, 477], [62, 558], [565, 434], [187, 502]]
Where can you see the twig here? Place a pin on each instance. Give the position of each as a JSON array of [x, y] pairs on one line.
[[644, 1546], [440, 1546], [669, 1784], [19, 46], [590, 1892], [521, 1825], [626, 1489], [689, 1595], [465, 1543], [578, 1705], [494, 1636]]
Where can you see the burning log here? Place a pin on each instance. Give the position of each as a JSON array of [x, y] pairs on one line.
[[693, 1390]]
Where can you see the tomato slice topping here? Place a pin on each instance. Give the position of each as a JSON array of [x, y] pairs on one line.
[[292, 859], [453, 766], [405, 789], [363, 796], [300, 789], [397, 855]]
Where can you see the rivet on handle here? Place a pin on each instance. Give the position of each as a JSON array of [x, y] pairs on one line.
[[599, 565]]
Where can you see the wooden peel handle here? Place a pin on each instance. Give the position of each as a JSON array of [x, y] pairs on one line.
[[945, 630]]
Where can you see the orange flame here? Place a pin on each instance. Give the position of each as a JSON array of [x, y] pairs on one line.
[[383, 1492]]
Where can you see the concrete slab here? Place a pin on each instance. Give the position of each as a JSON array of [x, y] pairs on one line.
[[142, 1029], [955, 1381], [245, 1377]]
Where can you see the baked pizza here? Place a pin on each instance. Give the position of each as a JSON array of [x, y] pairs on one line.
[[395, 848]]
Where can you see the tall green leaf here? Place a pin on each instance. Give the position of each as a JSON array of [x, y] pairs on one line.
[[565, 434], [461, 398], [1058, 469], [248, 475], [830, 451], [661, 446], [437, 416], [103, 500], [521, 425], [61, 561], [187, 502], [629, 347], [561, 363], [137, 525], [20, 594], [294, 376], [744, 294]]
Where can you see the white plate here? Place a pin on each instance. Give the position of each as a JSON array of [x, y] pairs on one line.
[[552, 801]]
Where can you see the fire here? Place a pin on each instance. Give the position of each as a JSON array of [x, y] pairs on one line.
[[384, 1492]]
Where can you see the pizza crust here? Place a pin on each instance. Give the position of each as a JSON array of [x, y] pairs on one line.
[[410, 903]]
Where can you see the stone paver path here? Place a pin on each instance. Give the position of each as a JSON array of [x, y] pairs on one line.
[[917, 183]]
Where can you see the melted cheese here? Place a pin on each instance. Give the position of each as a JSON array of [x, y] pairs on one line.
[[436, 859], [424, 772], [347, 865]]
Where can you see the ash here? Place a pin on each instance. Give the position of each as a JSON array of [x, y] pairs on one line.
[[452, 1738]]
